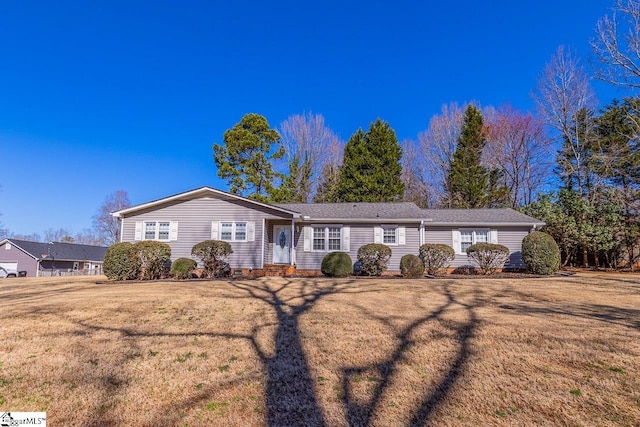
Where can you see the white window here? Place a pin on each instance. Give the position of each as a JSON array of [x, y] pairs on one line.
[[390, 235], [471, 237], [335, 239], [327, 238], [319, 239], [158, 230], [233, 231]]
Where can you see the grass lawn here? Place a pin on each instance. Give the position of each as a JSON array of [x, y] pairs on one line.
[[349, 352]]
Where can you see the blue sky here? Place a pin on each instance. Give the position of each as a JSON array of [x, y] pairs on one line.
[[108, 95]]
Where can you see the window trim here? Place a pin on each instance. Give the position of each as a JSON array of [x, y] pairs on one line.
[[474, 240], [156, 231], [234, 236], [396, 237], [326, 237]]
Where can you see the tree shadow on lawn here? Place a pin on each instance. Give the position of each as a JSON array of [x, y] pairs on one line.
[[290, 396]]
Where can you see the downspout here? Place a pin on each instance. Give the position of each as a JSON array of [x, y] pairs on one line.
[[264, 232], [421, 233], [292, 251]]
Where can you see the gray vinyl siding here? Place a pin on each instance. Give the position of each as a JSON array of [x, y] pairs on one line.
[[194, 219], [511, 237], [25, 262], [360, 234]]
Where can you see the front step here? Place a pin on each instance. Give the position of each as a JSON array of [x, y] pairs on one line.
[[279, 270]]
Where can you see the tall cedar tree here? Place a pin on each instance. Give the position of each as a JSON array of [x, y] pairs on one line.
[[469, 183], [245, 158], [371, 170], [297, 185]]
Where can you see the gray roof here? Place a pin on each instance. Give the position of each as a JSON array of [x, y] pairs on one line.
[[61, 251], [480, 216], [358, 210]]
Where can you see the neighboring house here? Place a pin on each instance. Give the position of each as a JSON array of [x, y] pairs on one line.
[[261, 234], [55, 258]]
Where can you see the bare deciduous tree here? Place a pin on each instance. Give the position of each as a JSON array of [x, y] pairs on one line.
[[437, 144], [617, 45], [106, 226], [518, 145], [416, 189], [330, 172], [58, 235], [305, 137], [563, 95]]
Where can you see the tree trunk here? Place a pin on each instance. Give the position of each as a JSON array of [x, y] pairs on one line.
[[585, 254]]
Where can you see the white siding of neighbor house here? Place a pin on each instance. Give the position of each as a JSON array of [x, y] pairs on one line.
[[511, 237], [194, 218], [360, 235]]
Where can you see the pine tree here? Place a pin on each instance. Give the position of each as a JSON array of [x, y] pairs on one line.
[[245, 158], [469, 183], [371, 170]]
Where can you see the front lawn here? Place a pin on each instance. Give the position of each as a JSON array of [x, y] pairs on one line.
[[323, 352]]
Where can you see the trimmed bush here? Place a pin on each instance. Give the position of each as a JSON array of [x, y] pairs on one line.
[[337, 264], [540, 253], [374, 258], [488, 256], [121, 262], [214, 255], [411, 267], [436, 256], [182, 268], [154, 258]]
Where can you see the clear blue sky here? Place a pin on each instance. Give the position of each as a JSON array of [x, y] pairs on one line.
[[105, 95]]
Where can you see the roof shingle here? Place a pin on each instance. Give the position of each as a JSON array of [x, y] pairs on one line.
[[62, 251]]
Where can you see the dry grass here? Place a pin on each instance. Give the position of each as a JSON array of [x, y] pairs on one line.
[[559, 351]]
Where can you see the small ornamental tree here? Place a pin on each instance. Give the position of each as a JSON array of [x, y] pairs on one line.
[[154, 258], [411, 267], [436, 256], [214, 255], [121, 262], [337, 264], [488, 256], [374, 258], [182, 268], [540, 253]]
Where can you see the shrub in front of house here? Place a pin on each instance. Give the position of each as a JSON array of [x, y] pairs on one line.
[[540, 253], [337, 264], [411, 267], [436, 257], [183, 268], [374, 258], [214, 255], [489, 257], [154, 257], [121, 262]]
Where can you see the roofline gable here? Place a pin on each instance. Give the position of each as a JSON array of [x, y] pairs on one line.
[[120, 213], [19, 247]]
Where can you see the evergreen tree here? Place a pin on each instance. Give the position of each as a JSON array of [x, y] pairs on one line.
[[371, 170], [245, 158], [297, 184], [469, 183]]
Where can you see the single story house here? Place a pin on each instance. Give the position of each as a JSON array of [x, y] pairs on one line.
[[275, 237], [54, 258]]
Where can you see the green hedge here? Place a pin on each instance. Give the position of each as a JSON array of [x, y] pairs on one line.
[[411, 267], [337, 264], [182, 268], [540, 253], [436, 257], [121, 262], [214, 255], [374, 258], [488, 256], [154, 257]]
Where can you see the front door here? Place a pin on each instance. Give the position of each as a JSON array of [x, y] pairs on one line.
[[282, 244]]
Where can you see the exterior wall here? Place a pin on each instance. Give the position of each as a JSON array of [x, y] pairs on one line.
[[361, 234], [13, 254], [194, 219], [511, 237]]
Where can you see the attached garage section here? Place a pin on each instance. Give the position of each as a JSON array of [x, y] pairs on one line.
[[9, 265]]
